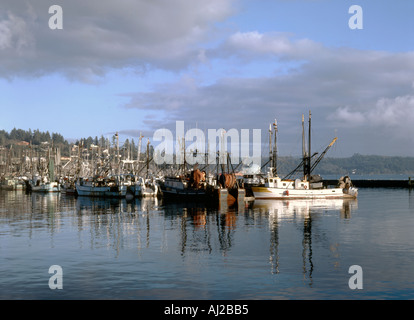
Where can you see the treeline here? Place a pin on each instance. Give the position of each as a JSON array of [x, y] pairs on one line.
[[356, 164], [35, 137], [369, 164], [128, 148]]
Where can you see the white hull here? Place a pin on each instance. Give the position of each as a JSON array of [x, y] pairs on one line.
[[146, 192], [46, 187], [146, 189], [105, 191], [286, 194]]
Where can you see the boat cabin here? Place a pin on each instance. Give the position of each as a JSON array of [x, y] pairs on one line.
[[276, 182]]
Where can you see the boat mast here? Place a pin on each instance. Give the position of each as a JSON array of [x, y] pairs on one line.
[[306, 154], [270, 148], [117, 154], [273, 150], [148, 143], [139, 150], [274, 157], [308, 169]]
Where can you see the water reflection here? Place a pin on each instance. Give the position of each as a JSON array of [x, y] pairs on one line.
[[117, 223], [411, 198], [187, 230], [280, 209], [155, 249], [302, 213], [201, 224]]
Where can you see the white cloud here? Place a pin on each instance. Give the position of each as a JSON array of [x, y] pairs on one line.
[[15, 34], [347, 117], [396, 114], [276, 43]]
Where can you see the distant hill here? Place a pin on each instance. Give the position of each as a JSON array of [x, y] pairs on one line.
[[357, 164]]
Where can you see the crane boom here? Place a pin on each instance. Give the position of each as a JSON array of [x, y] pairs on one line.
[[323, 154]]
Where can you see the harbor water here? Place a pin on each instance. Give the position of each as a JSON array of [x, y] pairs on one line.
[[152, 249]]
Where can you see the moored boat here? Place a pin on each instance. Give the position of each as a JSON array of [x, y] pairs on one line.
[[309, 187], [12, 183], [146, 188], [101, 187], [39, 184], [276, 188], [193, 186]]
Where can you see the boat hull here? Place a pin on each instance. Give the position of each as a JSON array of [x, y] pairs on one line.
[[285, 194], [171, 192], [104, 191], [175, 187], [146, 192], [46, 187]]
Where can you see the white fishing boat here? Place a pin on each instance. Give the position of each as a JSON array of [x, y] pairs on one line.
[[276, 188], [45, 182], [309, 187], [101, 187], [146, 188], [42, 184]]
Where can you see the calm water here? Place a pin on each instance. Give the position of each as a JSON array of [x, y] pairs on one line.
[[114, 249]]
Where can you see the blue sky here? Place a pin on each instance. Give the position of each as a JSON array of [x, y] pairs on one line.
[[138, 66]]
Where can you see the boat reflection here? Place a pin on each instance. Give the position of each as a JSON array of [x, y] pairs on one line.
[[302, 213], [201, 224], [290, 208]]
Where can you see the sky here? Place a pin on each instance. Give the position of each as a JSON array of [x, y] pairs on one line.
[[136, 66]]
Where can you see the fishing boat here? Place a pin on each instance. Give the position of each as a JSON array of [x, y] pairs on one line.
[[7, 183], [192, 185], [43, 184], [68, 186], [146, 188], [110, 186], [310, 186]]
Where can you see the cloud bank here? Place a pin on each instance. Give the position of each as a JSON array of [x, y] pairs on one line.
[[103, 34]]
